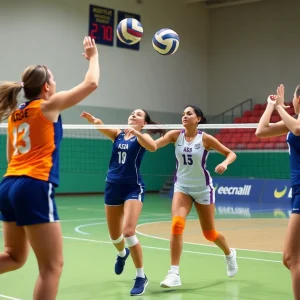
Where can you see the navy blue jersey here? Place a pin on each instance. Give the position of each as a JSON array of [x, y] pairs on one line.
[[125, 161], [294, 151]]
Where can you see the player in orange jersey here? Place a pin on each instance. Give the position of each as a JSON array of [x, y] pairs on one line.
[[27, 206]]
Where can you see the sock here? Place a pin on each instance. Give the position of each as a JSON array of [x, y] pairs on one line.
[[140, 272], [175, 269], [230, 255], [122, 253]]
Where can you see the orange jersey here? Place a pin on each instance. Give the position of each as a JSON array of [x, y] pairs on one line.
[[35, 141]]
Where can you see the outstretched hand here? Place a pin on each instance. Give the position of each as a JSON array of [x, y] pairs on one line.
[[279, 98], [90, 48], [90, 118]]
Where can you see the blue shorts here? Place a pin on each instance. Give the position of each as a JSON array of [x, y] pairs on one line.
[[295, 202], [117, 194], [27, 201]]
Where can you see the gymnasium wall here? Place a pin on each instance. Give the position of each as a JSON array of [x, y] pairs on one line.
[[252, 49], [51, 33]]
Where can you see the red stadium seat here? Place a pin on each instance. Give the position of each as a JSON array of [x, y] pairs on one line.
[[247, 113], [257, 107]]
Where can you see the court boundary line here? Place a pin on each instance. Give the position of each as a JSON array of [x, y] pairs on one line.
[[190, 243], [77, 229], [184, 251], [8, 297]]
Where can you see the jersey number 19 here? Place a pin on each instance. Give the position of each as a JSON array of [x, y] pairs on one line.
[[122, 157]]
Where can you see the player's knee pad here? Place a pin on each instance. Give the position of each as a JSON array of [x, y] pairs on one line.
[[178, 224], [117, 241], [131, 241], [211, 235]]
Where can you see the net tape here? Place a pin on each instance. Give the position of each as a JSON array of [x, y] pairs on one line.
[[154, 126]]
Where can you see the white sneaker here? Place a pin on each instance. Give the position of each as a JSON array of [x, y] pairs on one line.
[[171, 280], [231, 262]]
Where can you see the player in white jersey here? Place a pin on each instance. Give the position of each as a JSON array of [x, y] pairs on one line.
[[193, 184]]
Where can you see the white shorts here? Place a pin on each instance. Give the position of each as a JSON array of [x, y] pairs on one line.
[[201, 194]]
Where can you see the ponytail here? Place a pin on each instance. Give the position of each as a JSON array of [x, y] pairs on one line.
[[203, 121], [148, 120], [9, 92], [159, 131]]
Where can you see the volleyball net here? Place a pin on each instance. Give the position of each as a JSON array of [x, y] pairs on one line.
[[260, 172]]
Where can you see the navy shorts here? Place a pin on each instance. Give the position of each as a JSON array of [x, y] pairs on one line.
[[27, 201], [117, 194], [295, 202]]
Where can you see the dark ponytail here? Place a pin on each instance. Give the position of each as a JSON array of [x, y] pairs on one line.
[[9, 92], [199, 113], [148, 120]]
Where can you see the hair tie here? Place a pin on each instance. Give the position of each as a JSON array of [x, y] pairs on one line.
[[22, 84]]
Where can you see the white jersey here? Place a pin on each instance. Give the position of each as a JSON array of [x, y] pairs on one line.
[[191, 162]]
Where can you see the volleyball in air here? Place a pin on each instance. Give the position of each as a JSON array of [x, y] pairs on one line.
[[165, 41], [130, 31]]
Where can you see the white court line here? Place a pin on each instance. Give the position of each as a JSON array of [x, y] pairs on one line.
[[79, 220], [167, 249], [7, 297], [190, 243], [77, 229]]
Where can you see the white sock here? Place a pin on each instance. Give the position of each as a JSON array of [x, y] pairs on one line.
[[140, 272], [122, 253], [230, 255], [175, 269]]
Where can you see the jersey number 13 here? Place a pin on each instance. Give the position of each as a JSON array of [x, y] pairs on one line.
[[21, 133]]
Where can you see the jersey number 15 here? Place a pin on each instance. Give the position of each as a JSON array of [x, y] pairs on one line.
[[21, 133], [187, 159]]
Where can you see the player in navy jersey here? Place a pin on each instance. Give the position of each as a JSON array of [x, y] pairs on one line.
[[194, 185], [125, 189], [290, 126]]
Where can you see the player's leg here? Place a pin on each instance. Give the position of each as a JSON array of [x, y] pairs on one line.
[[132, 209], [49, 254], [114, 210], [16, 247], [181, 207], [205, 207], [35, 209], [291, 253]]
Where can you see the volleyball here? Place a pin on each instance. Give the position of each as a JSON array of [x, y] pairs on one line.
[[165, 41], [130, 31]]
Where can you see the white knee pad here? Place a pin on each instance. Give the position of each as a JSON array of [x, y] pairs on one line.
[[131, 241], [117, 241]]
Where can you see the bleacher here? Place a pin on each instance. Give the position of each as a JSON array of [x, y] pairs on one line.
[[245, 138]]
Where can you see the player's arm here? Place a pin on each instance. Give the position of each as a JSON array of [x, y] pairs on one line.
[[146, 141], [265, 129], [110, 133], [9, 149], [291, 123], [210, 142], [170, 137], [63, 100]]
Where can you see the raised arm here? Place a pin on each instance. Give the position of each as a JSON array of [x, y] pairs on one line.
[[168, 138], [110, 133], [264, 128], [63, 100]]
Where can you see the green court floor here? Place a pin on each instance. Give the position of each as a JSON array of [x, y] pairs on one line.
[[89, 263]]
